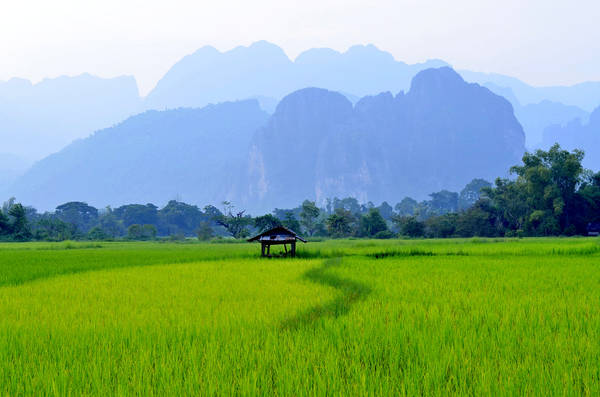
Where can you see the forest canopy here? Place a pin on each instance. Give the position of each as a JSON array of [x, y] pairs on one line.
[[550, 194]]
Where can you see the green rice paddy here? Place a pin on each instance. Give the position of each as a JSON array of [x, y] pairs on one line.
[[347, 317]]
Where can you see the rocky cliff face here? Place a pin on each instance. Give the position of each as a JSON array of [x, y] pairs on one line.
[[440, 135]]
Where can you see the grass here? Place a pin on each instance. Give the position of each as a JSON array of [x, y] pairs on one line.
[[347, 317]]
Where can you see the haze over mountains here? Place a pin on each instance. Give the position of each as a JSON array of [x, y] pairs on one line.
[[156, 156], [441, 134], [209, 76], [39, 119], [578, 134]]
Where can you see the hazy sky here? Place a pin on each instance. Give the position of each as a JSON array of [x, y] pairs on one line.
[[543, 42]]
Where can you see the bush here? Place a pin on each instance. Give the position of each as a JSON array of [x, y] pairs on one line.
[[411, 227], [385, 234], [97, 234]]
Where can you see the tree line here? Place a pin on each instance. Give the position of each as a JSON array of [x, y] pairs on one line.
[[549, 194]]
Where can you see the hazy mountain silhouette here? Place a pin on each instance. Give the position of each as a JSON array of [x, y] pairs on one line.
[[536, 117], [263, 69], [440, 135], [189, 154], [578, 135], [584, 95], [11, 167], [209, 76], [39, 119]]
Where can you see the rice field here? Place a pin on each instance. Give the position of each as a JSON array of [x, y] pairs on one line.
[[347, 317]]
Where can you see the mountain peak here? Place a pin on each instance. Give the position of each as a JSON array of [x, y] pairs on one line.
[[436, 79], [315, 103]]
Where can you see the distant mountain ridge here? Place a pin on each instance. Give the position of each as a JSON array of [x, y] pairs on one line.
[[584, 95], [439, 135], [536, 117], [210, 76], [156, 156], [579, 134], [39, 119], [264, 70]]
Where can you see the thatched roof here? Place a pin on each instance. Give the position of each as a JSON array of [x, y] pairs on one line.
[[278, 233]]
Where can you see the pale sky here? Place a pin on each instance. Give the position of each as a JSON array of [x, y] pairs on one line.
[[543, 42]]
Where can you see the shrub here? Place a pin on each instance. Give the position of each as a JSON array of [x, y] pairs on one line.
[[385, 234]]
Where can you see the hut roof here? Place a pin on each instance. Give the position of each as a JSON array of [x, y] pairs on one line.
[[278, 233]]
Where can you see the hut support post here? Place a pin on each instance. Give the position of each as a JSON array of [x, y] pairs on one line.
[[262, 249], [293, 249]]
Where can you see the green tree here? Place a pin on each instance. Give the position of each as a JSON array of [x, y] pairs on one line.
[[340, 223], [406, 207], [386, 211], [19, 226], [141, 232], [471, 193], [510, 200], [409, 226], [110, 224], [135, 232], [149, 232], [371, 223], [291, 222], [179, 218], [140, 214], [441, 226], [212, 212], [479, 220], [550, 180], [266, 222], [82, 215], [235, 222], [96, 234], [309, 217], [587, 202], [50, 228], [4, 225], [349, 204], [443, 202]]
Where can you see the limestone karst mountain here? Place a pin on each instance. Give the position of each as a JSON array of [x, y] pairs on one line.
[[440, 135]]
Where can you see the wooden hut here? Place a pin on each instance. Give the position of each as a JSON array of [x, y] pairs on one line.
[[277, 236]]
